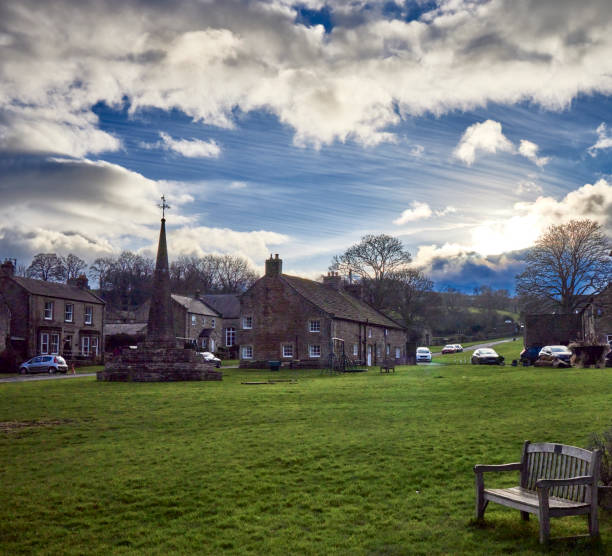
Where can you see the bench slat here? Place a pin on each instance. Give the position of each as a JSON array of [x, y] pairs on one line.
[[525, 497], [550, 447]]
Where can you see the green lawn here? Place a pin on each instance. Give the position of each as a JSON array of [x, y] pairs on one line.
[[347, 464]]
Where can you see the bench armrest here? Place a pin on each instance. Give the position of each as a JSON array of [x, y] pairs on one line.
[[550, 483], [497, 468]]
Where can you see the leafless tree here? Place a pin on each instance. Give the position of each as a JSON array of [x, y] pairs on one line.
[[567, 262], [234, 274], [46, 266], [72, 266], [373, 259]]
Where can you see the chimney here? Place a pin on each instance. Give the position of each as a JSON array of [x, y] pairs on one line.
[[333, 280], [274, 266], [7, 268], [82, 282]]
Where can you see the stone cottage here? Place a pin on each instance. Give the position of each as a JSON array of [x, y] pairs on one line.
[[303, 323], [228, 307], [53, 318]]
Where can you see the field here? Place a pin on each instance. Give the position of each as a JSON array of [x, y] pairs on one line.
[[348, 464]]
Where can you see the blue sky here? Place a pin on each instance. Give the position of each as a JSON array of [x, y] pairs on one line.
[[464, 128]]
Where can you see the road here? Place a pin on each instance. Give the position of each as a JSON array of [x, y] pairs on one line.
[[478, 346]]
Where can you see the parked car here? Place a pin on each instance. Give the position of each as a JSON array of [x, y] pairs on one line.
[[44, 364], [458, 348], [487, 356], [449, 348], [423, 355], [550, 353], [530, 355], [210, 358]]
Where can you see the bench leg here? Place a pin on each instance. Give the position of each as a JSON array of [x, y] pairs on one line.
[[525, 516], [481, 503], [593, 524]]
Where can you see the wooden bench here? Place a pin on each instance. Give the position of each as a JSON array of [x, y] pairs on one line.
[[555, 480], [387, 365]]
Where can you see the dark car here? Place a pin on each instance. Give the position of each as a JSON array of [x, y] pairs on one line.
[[449, 348], [530, 355], [44, 364], [487, 356]]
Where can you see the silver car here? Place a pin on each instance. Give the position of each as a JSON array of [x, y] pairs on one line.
[[44, 364]]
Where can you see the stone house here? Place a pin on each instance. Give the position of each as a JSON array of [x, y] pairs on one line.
[[304, 323], [5, 323], [53, 318], [195, 322], [602, 311], [228, 307]]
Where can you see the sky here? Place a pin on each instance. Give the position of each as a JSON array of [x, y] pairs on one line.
[[464, 128]]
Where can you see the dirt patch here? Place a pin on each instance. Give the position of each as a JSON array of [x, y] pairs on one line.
[[9, 426]]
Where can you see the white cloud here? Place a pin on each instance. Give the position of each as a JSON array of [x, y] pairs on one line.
[[194, 148], [211, 58], [528, 187], [238, 185], [604, 141], [486, 136], [530, 150], [421, 211]]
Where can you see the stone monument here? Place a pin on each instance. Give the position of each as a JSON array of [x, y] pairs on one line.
[[158, 358]]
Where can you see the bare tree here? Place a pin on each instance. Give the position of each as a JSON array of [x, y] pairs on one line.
[[568, 261], [46, 266], [72, 266], [100, 270], [373, 259], [234, 274]]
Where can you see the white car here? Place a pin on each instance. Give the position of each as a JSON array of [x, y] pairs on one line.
[[210, 358], [423, 355]]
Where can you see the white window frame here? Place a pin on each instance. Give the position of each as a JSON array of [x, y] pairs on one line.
[[44, 343], [230, 336], [355, 349], [369, 332], [48, 311], [314, 351], [193, 320], [314, 325], [88, 316], [247, 352], [85, 345], [288, 351], [388, 349], [212, 345], [69, 312], [247, 323], [94, 343], [398, 352], [54, 343]]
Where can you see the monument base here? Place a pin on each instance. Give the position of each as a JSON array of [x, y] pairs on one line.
[[147, 364]]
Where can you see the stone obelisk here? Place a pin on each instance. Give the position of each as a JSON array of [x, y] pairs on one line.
[[158, 359]]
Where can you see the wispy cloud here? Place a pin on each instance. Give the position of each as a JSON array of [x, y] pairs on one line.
[[604, 140], [191, 148]]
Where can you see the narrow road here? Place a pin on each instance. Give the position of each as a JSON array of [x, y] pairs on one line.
[[484, 345]]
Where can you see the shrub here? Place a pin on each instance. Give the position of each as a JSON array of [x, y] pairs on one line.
[[603, 442]]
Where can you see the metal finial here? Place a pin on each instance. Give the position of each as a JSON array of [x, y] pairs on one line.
[[164, 206]]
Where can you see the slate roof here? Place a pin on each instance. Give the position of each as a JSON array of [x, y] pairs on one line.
[[338, 302], [226, 304], [194, 305], [132, 328], [57, 290]]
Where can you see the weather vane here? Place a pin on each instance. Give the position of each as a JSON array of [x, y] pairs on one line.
[[164, 206]]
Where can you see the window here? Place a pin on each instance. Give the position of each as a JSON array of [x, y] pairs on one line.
[[204, 343], [85, 345], [314, 326], [378, 351], [388, 349], [288, 350], [193, 320], [355, 349], [315, 351], [44, 342], [68, 312], [88, 315], [247, 352], [247, 322], [369, 332], [48, 315], [212, 323], [398, 353], [94, 345], [67, 344], [386, 332], [230, 336], [212, 345], [54, 344]]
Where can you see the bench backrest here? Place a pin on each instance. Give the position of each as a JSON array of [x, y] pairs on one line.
[[545, 460]]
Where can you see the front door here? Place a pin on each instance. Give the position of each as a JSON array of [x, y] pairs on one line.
[[369, 356]]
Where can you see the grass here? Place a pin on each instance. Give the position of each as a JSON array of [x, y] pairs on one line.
[[346, 464]]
